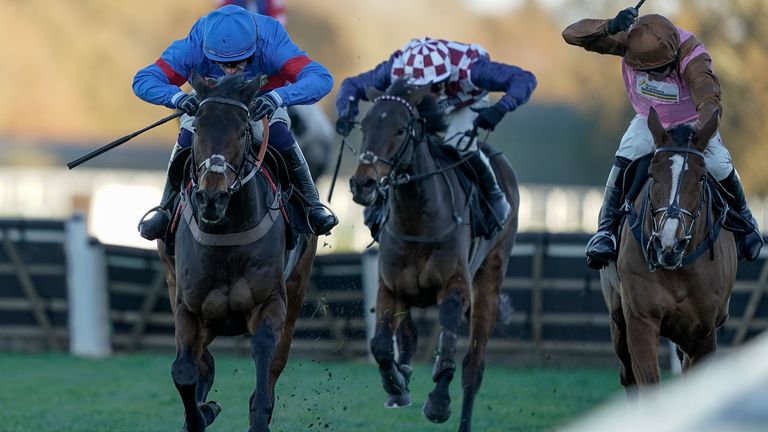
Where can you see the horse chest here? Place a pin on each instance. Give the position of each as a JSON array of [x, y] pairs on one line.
[[418, 276]]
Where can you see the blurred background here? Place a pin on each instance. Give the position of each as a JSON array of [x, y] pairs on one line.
[[66, 80]]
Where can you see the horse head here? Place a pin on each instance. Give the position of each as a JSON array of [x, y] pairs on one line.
[[392, 128], [676, 187], [222, 139]]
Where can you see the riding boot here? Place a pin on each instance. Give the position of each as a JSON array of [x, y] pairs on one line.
[[752, 241], [601, 248], [489, 186], [320, 218], [155, 227]]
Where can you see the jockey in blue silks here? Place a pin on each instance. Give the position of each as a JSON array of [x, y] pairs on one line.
[[233, 40], [461, 76]]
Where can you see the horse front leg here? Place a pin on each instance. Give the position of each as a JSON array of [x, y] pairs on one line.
[[266, 332], [407, 338], [206, 370], [619, 338], [393, 379], [643, 344], [184, 370], [437, 407]]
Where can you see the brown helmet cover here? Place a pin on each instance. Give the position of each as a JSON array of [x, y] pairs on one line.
[[652, 42]]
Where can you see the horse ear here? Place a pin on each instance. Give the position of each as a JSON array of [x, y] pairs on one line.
[[372, 93], [707, 131], [251, 87], [657, 129], [199, 84]]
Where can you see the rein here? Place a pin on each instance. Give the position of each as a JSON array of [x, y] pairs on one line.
[[673, 211], [217, 163], [394, 178]]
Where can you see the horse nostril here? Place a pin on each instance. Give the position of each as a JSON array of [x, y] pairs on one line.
[[201, 198], [221, 199], [368, 184]]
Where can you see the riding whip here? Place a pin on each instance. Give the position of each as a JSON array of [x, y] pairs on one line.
[[639, 4], [341, 151], [120, 141]]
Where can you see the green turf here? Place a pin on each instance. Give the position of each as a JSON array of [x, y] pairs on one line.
[[58, 393]]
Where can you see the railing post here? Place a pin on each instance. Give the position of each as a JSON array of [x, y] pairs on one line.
[[90, 325], [369, 273]]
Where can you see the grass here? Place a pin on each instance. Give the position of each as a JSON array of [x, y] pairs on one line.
[[59, 393]]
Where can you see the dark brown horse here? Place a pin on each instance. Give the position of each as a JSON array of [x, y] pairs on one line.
[[676, 281], [426, 254], [228, 275]]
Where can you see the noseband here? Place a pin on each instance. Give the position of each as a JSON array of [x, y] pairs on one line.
[[217, 163]]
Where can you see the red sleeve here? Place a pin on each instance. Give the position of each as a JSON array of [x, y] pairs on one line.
[[173, 77], [288, 73]]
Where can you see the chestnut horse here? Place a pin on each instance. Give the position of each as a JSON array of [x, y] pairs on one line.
[[228, 275], [426, 253], [676, 268]]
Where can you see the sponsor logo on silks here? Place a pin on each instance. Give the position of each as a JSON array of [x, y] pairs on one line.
[[660, 91]]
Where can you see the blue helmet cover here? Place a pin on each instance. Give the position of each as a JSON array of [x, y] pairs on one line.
[[229, 34]]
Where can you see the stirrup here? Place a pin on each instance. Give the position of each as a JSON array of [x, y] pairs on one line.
[[158, 210]]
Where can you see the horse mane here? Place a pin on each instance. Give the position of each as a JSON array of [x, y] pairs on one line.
[[227, 85], [428, 109]]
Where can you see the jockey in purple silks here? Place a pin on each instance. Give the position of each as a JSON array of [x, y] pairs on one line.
[[669, 69], [461, 77], [233, 40]]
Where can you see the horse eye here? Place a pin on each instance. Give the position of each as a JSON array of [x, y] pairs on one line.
[[401, 132]]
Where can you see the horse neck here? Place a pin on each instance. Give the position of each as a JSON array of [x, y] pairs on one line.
[[425, 205]]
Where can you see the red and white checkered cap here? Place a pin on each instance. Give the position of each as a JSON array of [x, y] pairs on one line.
[[426, 61]]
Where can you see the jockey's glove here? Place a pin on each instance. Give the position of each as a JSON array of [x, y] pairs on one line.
[[264, 106], [488, 118], [623, 20], [344, 126], [188, 104]]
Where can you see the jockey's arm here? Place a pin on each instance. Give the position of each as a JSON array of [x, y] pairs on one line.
[[159, 83], [592, 35], [354, 87], [517, 83], [704, 87]]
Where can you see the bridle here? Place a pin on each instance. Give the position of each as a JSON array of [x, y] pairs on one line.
[[415, 134], [218, 164], [411, 139], [367, 157], [660, 216]]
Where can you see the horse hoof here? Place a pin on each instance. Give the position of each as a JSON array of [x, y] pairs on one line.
[[438, 412], [398, 401], [210, 410]]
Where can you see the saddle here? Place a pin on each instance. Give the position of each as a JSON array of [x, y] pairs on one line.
[[482, 220], [274, 173]]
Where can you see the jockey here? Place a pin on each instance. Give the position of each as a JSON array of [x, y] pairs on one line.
[[461, 76], [232, 40], [273, 8], [667, 68]]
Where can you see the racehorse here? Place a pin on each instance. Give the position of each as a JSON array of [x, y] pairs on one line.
[[676, 268], [427, 255], [228, 275]]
